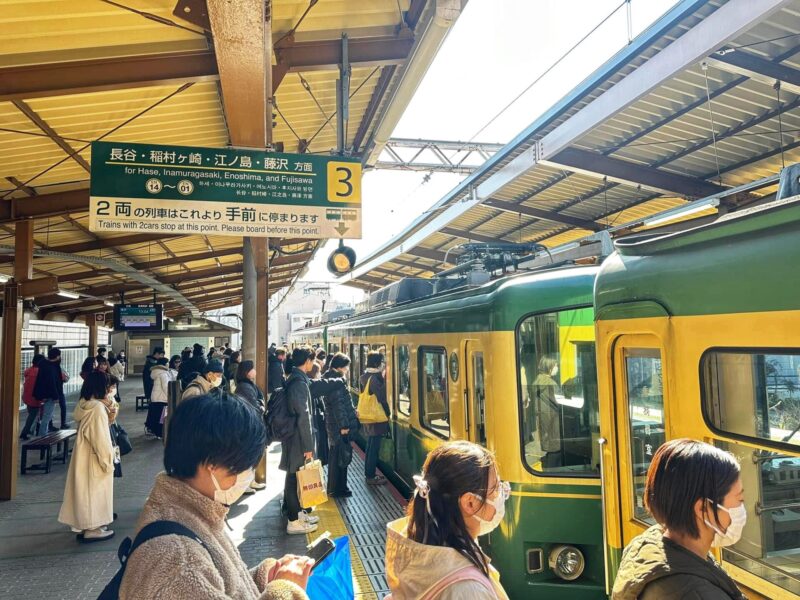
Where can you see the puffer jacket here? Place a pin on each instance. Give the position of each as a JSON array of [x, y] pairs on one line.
[[179, 568], [339, 411], [247, 390], [656, 568], [412, 568], [161, 376], [275, 374]]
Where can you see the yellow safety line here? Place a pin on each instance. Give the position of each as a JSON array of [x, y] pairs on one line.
[[548, 495], [330, 519]]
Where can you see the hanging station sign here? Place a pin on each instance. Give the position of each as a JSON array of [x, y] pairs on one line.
[[152, 188]]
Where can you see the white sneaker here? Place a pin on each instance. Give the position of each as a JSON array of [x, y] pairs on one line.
[[258, 486], [304, 516], [300, 526], [96, 535]]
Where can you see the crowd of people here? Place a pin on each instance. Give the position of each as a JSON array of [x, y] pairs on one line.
[[215, 453]]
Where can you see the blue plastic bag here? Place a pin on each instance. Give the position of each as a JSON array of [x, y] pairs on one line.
[[333, 578]]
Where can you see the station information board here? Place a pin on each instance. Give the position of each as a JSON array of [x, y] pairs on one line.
[[154, 188], [138, 317]]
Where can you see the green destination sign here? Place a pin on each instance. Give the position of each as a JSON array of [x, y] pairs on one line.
[[223, 191]]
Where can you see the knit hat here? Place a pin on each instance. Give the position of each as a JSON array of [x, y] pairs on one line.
[[214, 366]]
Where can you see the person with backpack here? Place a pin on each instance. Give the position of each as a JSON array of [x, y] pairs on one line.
[[88, 505], [433, 553], [182, 549], [373, 412], [342, 424], [32, 405], [298, 446], [209, 382]]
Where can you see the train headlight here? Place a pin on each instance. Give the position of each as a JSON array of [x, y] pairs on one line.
[[567, 562]]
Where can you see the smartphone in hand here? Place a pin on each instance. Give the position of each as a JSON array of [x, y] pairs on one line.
[[320, 548]]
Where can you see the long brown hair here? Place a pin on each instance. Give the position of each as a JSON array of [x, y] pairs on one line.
[[450, 471]]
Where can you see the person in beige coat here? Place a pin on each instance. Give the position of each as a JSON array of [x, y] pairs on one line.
[[196, 490], [434, 552], [88, 504]]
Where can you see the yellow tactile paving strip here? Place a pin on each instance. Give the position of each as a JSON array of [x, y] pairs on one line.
[[330, 519]]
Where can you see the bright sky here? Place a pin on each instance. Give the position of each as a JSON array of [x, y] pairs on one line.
[[495, 50]]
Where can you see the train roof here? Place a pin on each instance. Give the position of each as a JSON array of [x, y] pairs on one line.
[[494, 306], [742, 262]]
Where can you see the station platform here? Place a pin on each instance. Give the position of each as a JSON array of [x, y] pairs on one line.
[[40, 558]]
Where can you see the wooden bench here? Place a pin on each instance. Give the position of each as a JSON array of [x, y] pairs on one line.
[[45, 445], [142, 403]]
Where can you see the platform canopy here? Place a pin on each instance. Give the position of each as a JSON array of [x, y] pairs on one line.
[[148, 71], [704, 100]]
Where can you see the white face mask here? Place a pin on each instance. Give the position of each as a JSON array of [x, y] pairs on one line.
[[499, 504], [734, 532], [215, 382], [233, 493]]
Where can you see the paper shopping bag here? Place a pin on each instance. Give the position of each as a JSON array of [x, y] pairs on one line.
[[310, 484]]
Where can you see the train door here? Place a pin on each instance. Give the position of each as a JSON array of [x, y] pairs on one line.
[[474, 392], [402, 436], [640, 423]]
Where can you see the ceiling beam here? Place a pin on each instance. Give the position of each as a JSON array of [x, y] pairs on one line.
[[372, 280], [765, 71], [34, 117], [95, 75], [627, 172], [428, 253], [44, 205], [112, 242], [544, 214], [471, 235]]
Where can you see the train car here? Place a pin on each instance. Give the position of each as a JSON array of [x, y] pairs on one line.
[[509, 364], [698, 335]]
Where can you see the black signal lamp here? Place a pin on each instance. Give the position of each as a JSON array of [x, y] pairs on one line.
[[342, 260]]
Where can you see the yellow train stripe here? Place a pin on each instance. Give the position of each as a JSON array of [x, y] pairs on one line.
[[552, 495]]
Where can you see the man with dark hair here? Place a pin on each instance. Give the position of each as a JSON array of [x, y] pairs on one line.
[[101, 352], [48, 387], [300, 447], [275, 372], [149, 363], [209, 383], [193, 367], [212, 448]]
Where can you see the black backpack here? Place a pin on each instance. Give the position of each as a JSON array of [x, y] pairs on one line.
[[279, 420], [127, 547]]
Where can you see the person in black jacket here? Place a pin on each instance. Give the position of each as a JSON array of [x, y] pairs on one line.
[[694, 492], [275, 372], [48, 387], [248, 390], [193, 367], [300, 446], [341, 423]]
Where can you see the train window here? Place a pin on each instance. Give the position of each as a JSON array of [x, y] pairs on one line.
[[770, 543], [753, 394], [333, 348], [403, 380], [435, 402], [558, 393], [645, 395], [355, 366], [364, 350]]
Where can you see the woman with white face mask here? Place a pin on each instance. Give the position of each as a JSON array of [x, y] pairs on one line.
[[694, 492], [434, 552], [213, 446]]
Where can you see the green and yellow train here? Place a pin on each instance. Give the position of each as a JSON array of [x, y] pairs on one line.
[[574, 376]]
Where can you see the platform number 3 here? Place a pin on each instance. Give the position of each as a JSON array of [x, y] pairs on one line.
[[344, 182]]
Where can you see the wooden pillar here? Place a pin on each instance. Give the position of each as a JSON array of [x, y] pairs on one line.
[[260, 249], [92, 324], [10, 357]]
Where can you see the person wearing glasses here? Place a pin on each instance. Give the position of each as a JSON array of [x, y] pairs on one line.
[[434, 551]]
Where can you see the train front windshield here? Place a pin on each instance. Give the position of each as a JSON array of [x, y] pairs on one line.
[[560, 422]]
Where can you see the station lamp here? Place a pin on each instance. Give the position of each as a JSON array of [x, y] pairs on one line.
[[342, 260]]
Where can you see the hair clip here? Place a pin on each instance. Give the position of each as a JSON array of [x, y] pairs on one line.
[[423, 489]]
